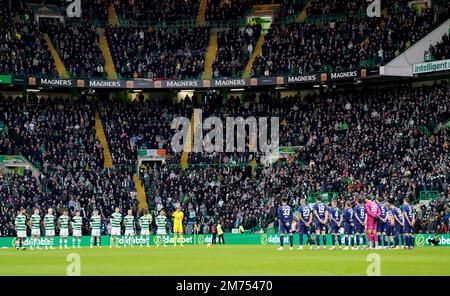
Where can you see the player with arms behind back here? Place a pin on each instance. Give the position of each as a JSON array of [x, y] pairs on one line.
[[410, 220], [145, 221], [360, 221], [21, 229], [161, 231], [335, 224], [63, 223], [128, 220], [382, 223], [178, 216], [49, 226], [349, 225], [320, 222], [399, 223], [285, 217], [116, 220], [305, 219], [77, 225], [96, 221], [35, 223]]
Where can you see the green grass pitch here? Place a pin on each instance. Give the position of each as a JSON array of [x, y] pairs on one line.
[[224, 260]]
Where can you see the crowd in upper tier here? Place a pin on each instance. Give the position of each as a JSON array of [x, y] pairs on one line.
[[439, 51]]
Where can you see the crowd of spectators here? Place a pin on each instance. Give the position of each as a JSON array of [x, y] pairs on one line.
[[235, 46], [176, 53], [22, 48], [439, 51], [350, 42], [77, 46], [156, 10], [58, 137]]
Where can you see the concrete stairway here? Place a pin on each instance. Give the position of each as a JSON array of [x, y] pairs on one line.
[[109, 64], [210, 55], [102, 138], [62, 72], [201, 16], [257, 51]]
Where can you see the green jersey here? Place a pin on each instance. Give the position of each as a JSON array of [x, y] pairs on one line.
[[35, 221], [95, 222], [129, 222], [77, 222], [161, 221], [49, 222], [63, 222], [145, 221], [21, 222], [116, 218]]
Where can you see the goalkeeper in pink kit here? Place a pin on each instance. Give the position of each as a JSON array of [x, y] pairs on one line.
[[373, 212]]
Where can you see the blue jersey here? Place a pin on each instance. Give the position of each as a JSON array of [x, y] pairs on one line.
[[360, 212], [389, 216], [348, 215], [397, 213], [285, 214], [320, 209], [305, 213], [383, 211], [409, 211], [336, 214]]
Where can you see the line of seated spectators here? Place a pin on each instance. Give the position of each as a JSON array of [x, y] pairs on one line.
[[175, 53], [77, 46], [235, 46]]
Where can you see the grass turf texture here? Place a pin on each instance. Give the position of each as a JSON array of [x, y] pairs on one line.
[[224, 260]]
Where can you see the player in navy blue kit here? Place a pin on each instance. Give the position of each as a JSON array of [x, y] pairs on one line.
[[335, 215], [320, 222], [399, 224], [390, 228], [382, 223], [349, 225], [285, 216], [410, 220], [360, 221], [305, 219]]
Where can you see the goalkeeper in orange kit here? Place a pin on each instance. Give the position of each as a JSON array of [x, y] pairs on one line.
[[177, 216]]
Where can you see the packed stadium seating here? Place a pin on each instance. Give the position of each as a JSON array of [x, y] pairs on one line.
[[176, 53], [235, 47], [439, 51]]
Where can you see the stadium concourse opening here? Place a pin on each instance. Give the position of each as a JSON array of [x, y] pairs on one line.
[[91, 93]]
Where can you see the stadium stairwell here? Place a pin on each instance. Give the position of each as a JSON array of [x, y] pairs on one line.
[[141, 197], [210, 55], [109, 64], [202, 12], [102, 138], [302, 16], [256, 52], [195, 121], [112, 15], [62, 72]]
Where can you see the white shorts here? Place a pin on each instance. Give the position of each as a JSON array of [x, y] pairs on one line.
[[145, 232], [64, 232], [36, 232], [22, 233], [50, 232], [115, 231], [161, 232], [95, 232], [129, 232], [76, 233]]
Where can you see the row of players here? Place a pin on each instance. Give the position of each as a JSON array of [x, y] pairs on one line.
[[116, 220], [384, 224]]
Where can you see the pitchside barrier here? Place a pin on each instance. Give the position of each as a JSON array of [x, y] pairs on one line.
[[230, 238]]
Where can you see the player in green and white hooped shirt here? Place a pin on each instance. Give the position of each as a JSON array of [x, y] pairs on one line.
[[161, 231], [35, 225], [95, 228], [145, 221], [116, 220], [128, 220], [77, 224], [63, 224], [21, 228], [49, 226]]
